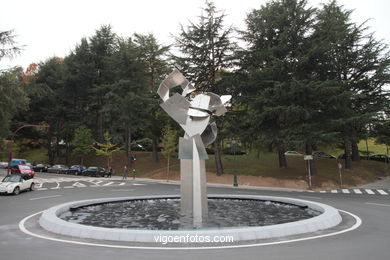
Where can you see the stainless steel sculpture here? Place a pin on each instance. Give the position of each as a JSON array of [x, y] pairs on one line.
[[194, 112]]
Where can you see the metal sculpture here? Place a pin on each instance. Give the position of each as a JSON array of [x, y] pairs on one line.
[[194, 113]]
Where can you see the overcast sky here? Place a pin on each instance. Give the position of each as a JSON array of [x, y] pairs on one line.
[[50, 28]]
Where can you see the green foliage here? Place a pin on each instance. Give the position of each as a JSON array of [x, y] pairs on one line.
[[13, 98], [106, 149], [169, 141], [82, 141]]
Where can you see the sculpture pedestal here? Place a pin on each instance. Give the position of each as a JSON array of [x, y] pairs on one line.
[[193, 188]]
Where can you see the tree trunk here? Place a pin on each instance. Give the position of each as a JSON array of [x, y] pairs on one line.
[[355, 152], [155, 150], [282, 156], [49, 148], [217, 155], [128, 142], [168, 166], [309, 151], [347, 153]]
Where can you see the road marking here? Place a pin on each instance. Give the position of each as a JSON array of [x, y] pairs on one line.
[[41, 189], [378, 204], [138, 184], [323, 191], [345, 191], [357, 191], [369, 191], [69, 187], [333, 191], [122, 183], [24, 230], [46, 197], [382, 192], [108, 183], [79, 184]]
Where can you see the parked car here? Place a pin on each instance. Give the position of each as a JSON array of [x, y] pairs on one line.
[[17, 162], [58, 168], [76, 169], [3, 165], [22, 169], [293, 153], [16, 183], [323, 155], [95, 171], [379, 157], [41, 167]]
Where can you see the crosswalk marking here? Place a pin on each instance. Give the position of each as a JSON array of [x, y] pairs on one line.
[[333, 191], [369, 191], [357, 191], [345, 191], [382, 192], [108, 183]]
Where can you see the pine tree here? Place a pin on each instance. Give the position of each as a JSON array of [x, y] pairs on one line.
[[205, 50]]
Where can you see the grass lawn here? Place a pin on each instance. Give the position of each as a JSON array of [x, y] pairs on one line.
[[265, 165]]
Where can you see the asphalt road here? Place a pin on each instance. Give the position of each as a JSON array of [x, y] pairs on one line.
[[370, 241]]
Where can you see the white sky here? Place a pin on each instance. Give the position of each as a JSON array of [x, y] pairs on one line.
[[50, 28]]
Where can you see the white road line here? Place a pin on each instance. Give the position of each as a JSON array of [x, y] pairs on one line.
[[345, 191], [46, 197], [122, 183], [69, 187], [79, 184], [333, 191], [108, 183], [382, 192], [138, 184], [357, 191], [41, 189], [369, 191], [377, 204], [23, 228], [323, 191]]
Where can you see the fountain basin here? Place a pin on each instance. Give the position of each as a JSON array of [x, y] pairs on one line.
[[328, 218]]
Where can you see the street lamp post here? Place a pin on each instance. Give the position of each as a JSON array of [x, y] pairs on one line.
[[10, 154]]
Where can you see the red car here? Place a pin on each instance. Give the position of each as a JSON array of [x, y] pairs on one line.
[[23, 169]]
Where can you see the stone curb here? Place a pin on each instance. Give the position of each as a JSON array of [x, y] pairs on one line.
[[330, 217]]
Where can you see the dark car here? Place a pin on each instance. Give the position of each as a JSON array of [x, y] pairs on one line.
[[379, 157], [40, 167], [323, 155], [23, 170], [58, 168], [76, 169], [95, 171]]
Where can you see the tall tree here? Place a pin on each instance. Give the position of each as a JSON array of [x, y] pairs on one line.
[[13, 98], [358, 66], [154, 57], [282, 100], [103, 45], [205, 50]]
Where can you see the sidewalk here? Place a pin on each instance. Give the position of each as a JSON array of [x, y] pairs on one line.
[[384, 183]]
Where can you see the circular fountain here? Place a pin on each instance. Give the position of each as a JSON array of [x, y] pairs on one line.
[[140, 219]]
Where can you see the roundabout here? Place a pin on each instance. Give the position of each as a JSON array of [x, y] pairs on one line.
[[362, 234]]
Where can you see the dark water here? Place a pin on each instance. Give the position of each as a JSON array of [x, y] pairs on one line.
[[165, 214]]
